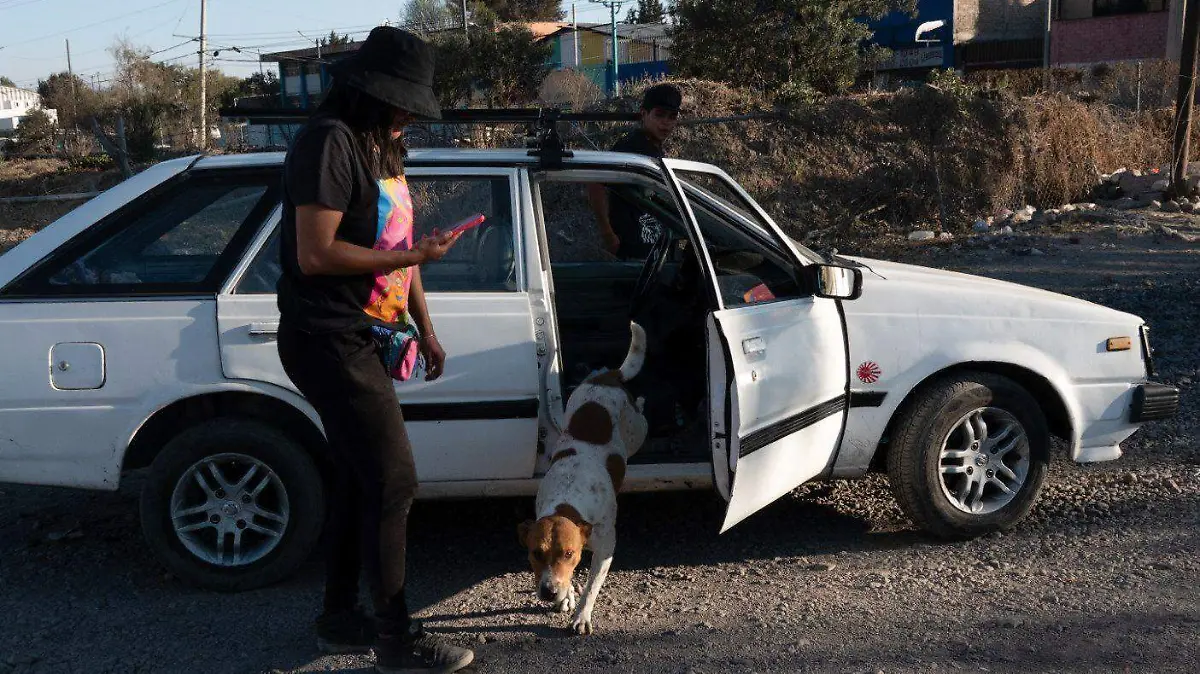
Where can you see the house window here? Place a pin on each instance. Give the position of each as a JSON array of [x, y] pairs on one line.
[[1086, 9], [1113, 7]]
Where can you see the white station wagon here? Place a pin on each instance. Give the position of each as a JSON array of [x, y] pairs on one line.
[[139, 331]]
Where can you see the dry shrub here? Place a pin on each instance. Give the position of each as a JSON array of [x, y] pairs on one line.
[[568, 88], [851, 168], [1068, 144], [1115, 84]]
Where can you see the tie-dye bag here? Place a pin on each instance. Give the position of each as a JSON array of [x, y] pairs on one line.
[[400, 349]]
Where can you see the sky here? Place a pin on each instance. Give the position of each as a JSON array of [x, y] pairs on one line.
[[33, 32]]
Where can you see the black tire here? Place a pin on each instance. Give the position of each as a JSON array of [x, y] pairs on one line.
[[289, 461], [914, 463]]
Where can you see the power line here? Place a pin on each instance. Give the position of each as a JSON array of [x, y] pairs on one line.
[[155, 53], [14, 5], [363, 28], [177, 46], [90, 25]]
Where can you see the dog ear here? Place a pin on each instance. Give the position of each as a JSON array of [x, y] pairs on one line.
[[586, 530], [523, 532]]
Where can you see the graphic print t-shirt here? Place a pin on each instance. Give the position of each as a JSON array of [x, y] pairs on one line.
[[636, 229], [325, 166]]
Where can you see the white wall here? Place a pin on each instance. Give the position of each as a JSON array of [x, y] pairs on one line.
[[17, 103]]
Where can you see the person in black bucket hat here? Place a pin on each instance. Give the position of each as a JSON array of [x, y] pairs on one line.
[[350, 287]]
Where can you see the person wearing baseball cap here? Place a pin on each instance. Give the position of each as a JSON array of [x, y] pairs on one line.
[[628, 232], [351, 283]]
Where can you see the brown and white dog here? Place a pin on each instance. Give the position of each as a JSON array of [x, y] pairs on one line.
[[577, 499]]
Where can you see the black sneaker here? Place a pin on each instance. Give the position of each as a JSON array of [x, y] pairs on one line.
[[345, 632], [419, 652]]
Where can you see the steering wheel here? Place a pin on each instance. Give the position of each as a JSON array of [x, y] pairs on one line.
[[651, 270]]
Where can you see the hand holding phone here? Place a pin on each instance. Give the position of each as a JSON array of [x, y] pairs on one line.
[[469, 223]]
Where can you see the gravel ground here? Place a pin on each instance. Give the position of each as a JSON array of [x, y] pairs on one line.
[[1103, 576]]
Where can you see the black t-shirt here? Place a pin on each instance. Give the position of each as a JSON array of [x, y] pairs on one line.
[[326, 166], [636, 229]]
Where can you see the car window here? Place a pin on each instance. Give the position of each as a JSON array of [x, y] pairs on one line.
[[723, 195], [181, 239], [483, 260], [750, 268], [733, 205], [572, 229], [263, 273]]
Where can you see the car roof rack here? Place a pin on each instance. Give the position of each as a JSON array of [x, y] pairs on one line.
[[544, 141]]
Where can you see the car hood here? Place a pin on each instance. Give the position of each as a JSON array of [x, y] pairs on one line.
[[936, 291]]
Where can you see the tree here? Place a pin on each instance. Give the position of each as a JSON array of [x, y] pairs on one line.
[[35, 134], [521, 10], [777, 45], [333, 39], [257, 84], [647, 11], [74, 105], [427, 16], [160, 102], [503, 63], [5, 82]]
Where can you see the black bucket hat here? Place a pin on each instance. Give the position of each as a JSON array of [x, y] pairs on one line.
[[394, 66]]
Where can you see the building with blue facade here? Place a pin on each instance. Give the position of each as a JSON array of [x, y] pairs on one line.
[[898, 32]]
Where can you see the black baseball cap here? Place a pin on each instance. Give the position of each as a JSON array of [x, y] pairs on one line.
[[665, 96]]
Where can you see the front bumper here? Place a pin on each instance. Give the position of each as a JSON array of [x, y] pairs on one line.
[[1152, 402]]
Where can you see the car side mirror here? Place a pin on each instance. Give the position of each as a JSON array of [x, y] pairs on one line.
[[834, 281]]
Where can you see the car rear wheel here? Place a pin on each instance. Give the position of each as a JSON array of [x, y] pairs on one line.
[[969, 455], [232, 505]]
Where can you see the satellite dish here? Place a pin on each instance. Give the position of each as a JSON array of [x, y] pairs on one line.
[[928, 27]]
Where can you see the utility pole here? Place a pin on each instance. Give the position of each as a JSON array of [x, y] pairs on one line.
[[1185, 97], [1046, 46], [575, 33], [316, 42], [616, 50], [613, 6], [203, 75], [71, 75]]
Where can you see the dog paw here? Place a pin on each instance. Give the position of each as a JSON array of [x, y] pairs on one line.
[[582, 624], [640, 404]]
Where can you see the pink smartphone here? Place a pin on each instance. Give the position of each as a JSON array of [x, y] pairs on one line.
[[473, 221]]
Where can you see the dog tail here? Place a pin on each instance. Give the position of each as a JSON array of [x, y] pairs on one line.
[[637, 353]]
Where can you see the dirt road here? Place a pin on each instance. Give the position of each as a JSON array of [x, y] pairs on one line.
[[1104, 576]]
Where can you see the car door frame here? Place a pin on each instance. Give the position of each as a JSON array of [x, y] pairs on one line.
[[434, 411], [639, 476], [726, 437]]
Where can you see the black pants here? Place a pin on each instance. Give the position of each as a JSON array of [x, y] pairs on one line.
[[375, 480]]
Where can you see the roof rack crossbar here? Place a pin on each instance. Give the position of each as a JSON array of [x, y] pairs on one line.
[[544, 141]]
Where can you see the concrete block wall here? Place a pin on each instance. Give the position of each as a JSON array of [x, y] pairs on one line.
[[1123, 37]]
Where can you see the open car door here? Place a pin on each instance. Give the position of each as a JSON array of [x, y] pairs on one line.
[[778, 358]]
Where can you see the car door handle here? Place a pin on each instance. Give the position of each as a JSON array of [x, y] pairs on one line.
[[754, 346], [264, 329]]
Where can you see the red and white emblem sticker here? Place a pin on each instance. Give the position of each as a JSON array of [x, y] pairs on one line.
[[868, 372]]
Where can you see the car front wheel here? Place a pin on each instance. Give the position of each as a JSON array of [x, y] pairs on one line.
[[232, 505], [969, 455]]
